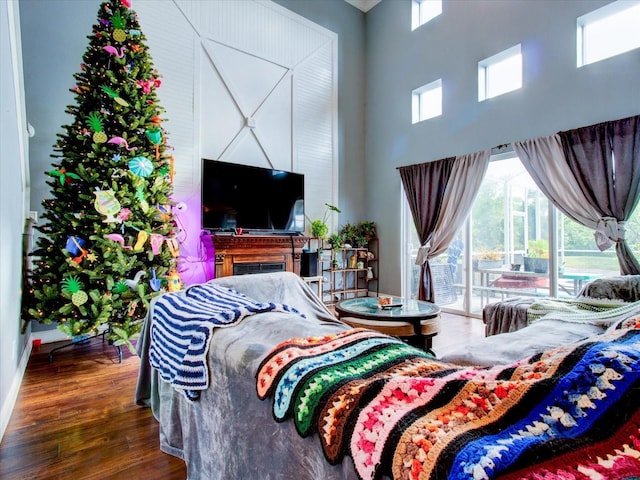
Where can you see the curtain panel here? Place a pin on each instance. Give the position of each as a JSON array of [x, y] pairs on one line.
[[591, 174], [440, 196], [605, 162]]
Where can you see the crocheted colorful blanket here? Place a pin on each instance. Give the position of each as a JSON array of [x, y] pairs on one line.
[[181, 329], [572, 412]]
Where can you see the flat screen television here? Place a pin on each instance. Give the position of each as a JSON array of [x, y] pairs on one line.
[[255, 199]]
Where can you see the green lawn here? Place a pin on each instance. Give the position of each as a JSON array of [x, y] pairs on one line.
[[592, 263]]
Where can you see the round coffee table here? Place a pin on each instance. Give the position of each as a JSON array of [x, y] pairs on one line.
[[423, 316]]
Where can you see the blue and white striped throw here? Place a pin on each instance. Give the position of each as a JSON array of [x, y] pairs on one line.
[[181, 329]]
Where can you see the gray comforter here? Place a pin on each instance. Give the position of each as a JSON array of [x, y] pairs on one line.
[[229, 433]]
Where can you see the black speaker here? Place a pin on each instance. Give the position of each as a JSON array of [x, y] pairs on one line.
[[309, 264]]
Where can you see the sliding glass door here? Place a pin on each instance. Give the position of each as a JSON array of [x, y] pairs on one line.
[[514, 243]]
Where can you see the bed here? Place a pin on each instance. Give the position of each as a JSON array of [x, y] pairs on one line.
[[299, 395]]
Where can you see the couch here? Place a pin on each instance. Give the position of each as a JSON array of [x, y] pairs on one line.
[[510, 315], [297, 394]]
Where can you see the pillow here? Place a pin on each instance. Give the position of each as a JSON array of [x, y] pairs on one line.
[[622, 287]]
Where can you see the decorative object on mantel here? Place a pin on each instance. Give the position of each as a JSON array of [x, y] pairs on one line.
[[110, 195]]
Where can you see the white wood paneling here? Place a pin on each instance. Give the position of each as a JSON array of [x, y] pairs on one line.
[[246, 82]]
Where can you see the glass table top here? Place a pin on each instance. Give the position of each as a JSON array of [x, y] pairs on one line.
[[400, 308]]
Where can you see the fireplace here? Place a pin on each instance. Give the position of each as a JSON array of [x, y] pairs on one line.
[[247, 254], [258, 267]]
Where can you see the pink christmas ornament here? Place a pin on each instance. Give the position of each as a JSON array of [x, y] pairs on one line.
[[116, 237], [112, 51], [121, 142], [156, 241], [124, 214]]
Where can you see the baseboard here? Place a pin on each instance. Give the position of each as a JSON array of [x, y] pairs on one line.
[[10, 400], [50, 336]]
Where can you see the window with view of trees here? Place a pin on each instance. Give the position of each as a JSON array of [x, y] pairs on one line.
[[511, 223]]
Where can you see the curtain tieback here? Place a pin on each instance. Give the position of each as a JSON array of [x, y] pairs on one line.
[[423, 253], [609, 231]]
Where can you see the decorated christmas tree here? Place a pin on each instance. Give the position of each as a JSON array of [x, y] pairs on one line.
[[108, 241]]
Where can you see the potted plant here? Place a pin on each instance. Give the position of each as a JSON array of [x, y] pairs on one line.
[[367, 229], [537, 258], [487, 259], [336, 240], [319, 228], [349, 233]]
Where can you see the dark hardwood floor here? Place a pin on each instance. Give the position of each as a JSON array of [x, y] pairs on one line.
[[75, 417]]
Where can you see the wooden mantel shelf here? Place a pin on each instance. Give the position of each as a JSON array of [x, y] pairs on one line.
[[244, 253]]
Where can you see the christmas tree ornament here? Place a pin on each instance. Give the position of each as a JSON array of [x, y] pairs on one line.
[[132, 308], [164, 212], [154, 135], [78, 259], [124, 214], [133, 283], [141, 166], [111, 50], [156, 241], [142, 238], [113, 94], [74, 245], [122, 142], [172, 243], [64, 176], [95, 123], [120, 287], [147, 85], [175, 283], [116, 237], [107, 204], [140, 196], [118, 34], [73, 287], [155, 283]]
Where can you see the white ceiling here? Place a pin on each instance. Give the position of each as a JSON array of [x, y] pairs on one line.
[[364, 5]]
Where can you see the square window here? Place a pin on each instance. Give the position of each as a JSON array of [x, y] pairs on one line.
[[424, 10], [427, 101], [608, 31], [500, 73]]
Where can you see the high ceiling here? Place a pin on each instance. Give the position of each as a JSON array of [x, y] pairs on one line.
[[364, 5]]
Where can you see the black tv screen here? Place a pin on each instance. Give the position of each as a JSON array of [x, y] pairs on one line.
[[252, 198]]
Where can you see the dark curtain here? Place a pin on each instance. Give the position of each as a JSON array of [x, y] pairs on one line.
[[605, 161], [424, 186]]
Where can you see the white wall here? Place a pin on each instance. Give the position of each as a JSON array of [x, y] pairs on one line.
[[555, 94], [13, 209]]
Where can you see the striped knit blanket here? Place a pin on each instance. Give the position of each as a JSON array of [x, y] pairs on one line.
[[595, 311], [569, 413], [182, 326]]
